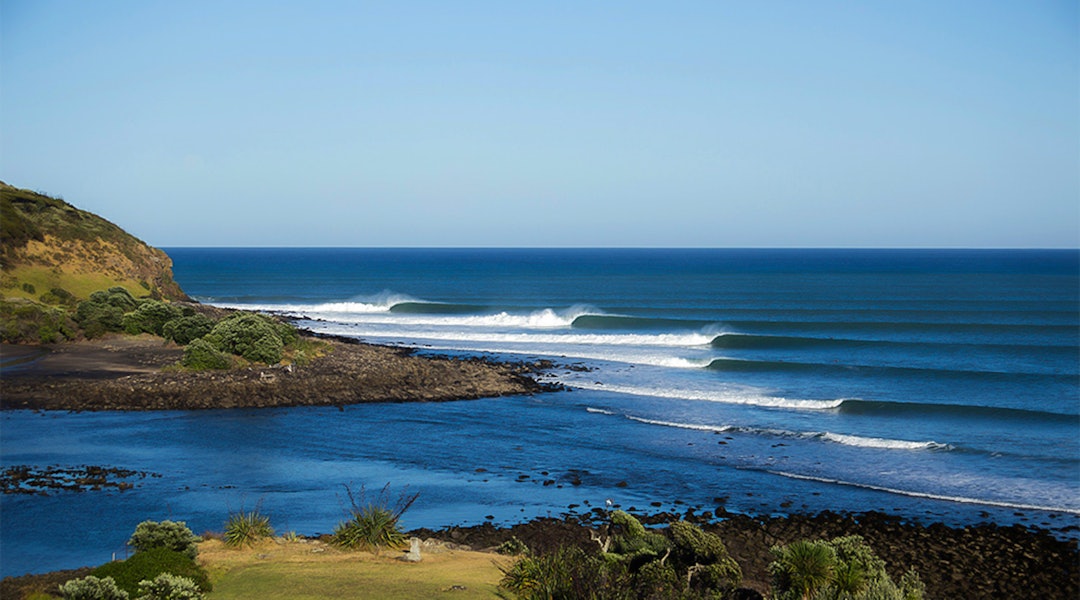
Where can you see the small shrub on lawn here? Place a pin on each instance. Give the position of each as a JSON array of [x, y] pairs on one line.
[[147, 565], [173, 535], [246, 528], [169, 587], [92, 588], [373, 525]]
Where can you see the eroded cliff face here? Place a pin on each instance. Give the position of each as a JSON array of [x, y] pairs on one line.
[[50, 248]]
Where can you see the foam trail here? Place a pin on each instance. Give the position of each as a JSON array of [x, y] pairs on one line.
[[379, 303], [847, 440], [598, 411], [723, 397], [943, 497], [871, 442], [454, 335]]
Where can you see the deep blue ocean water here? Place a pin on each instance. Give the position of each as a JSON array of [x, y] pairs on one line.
[[939, 385]]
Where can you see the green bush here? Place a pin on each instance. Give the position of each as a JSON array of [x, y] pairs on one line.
[[187, 328], [201, 354], [146, 565], [253, 336], [59, 296], [246, 528], [96, 318], [150, 317], [92, 588], [25, 321], [845, 567], [169, 587], [568, 573], [118, 297], [173, 535]]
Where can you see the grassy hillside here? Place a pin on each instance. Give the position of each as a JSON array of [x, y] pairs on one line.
[[56, 254]]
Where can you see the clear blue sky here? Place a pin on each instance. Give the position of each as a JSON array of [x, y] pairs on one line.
[[504, 123]]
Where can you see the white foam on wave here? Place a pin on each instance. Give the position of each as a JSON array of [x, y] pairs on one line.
[[375, 304], [547, 318], [888, 444], [692, 426], [482, 336], [942, 497], [847, 440], [726, 397], [598, 411]]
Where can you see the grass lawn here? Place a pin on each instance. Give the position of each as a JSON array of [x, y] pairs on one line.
[[308, 570]]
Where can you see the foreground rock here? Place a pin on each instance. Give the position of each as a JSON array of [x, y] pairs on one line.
[[125, 373], [977, 562]]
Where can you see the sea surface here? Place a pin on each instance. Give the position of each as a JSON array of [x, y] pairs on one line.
[[938, 385]]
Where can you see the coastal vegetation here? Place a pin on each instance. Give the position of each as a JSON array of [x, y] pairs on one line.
[[245, 528], [373, 525], [53, 253], [54, 256], [162, 568]]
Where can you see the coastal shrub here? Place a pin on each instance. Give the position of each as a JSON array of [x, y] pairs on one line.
[[147, 565], [169, 587], [187, 328], [173, 535], [246, 528], [116, 296], [92, 588], [25, 321], [201, 354], [844, 567], [253, 336], [97, 317], [801, 569], [513, 547], [373, 525], [29, 288], [568, 572], [704, 558], [150, 317], [59, 296]]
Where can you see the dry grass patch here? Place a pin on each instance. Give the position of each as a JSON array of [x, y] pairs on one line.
[[307, 569]]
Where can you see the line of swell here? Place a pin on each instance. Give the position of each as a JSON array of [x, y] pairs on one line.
[[915, 409], [731, 365], [1068, 332], [942, 497], [436, 308], [713, 396], [838, 438], [746, 341]]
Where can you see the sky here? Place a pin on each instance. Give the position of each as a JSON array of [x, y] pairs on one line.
[[642, 124]]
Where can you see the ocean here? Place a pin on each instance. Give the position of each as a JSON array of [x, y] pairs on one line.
[[937, 385]]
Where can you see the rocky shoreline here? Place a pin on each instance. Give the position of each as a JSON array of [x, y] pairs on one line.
[[126, 373], [977, 562]]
